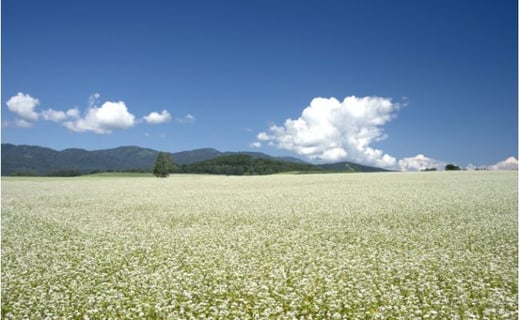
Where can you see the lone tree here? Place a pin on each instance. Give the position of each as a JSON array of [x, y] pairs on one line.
[[450, 167], [163, 165]]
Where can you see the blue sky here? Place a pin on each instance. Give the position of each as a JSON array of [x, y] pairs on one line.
[[431, 78]]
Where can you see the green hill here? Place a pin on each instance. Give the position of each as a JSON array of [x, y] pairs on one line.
[[243, 164], [35, 160]]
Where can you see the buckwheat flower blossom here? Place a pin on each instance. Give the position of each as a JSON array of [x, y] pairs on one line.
[[337, 246]]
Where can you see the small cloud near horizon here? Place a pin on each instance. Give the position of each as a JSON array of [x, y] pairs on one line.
[[511, 163]]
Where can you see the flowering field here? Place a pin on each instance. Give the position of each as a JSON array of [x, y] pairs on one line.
[[440, 245]]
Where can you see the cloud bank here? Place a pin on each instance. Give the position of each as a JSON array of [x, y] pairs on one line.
[[510, 163], [333, 130], [100, 120]]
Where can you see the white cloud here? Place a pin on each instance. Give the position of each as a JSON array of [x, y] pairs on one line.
[[155, 117], [102, 120], [331, 130], [23, 105], [186, 119], [262, 136], [53, 115], [510, 163], [21, 123], [420, 162], [72, 113], [93, 99], [58, 115], [255, 144]]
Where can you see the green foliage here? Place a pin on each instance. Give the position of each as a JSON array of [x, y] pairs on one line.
[[451, 167], [241, 164], [64, 173], [163, 165]]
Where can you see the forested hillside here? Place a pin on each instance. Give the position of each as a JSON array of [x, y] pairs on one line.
[[34, 160], [242, 164]]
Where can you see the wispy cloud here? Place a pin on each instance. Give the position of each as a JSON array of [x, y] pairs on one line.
[[189, 118], [93, 100], [21, 123]]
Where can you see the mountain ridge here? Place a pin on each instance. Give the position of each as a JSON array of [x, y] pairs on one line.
[[38, 160]]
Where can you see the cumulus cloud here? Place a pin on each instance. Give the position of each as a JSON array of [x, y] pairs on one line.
[[104, 119], [420, 162], [23, 105], [510, 163], [101, 120], [333, 130], [255, 144], [155, 117]]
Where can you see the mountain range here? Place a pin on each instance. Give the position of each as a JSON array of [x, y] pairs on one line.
[[36, 160]]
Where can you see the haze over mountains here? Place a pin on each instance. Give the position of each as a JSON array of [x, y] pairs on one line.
[[24, 159]]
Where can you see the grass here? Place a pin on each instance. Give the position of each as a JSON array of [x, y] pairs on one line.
[[438, 245]]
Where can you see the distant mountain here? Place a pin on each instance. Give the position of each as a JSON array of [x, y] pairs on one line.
[[186, 157], [198, 155], [349, 167], [35, 160]]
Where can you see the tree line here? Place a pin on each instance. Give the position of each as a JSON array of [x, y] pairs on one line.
[[237, 164]]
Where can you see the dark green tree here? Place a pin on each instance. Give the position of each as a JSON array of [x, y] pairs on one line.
[[451, 167], [163, 165]]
